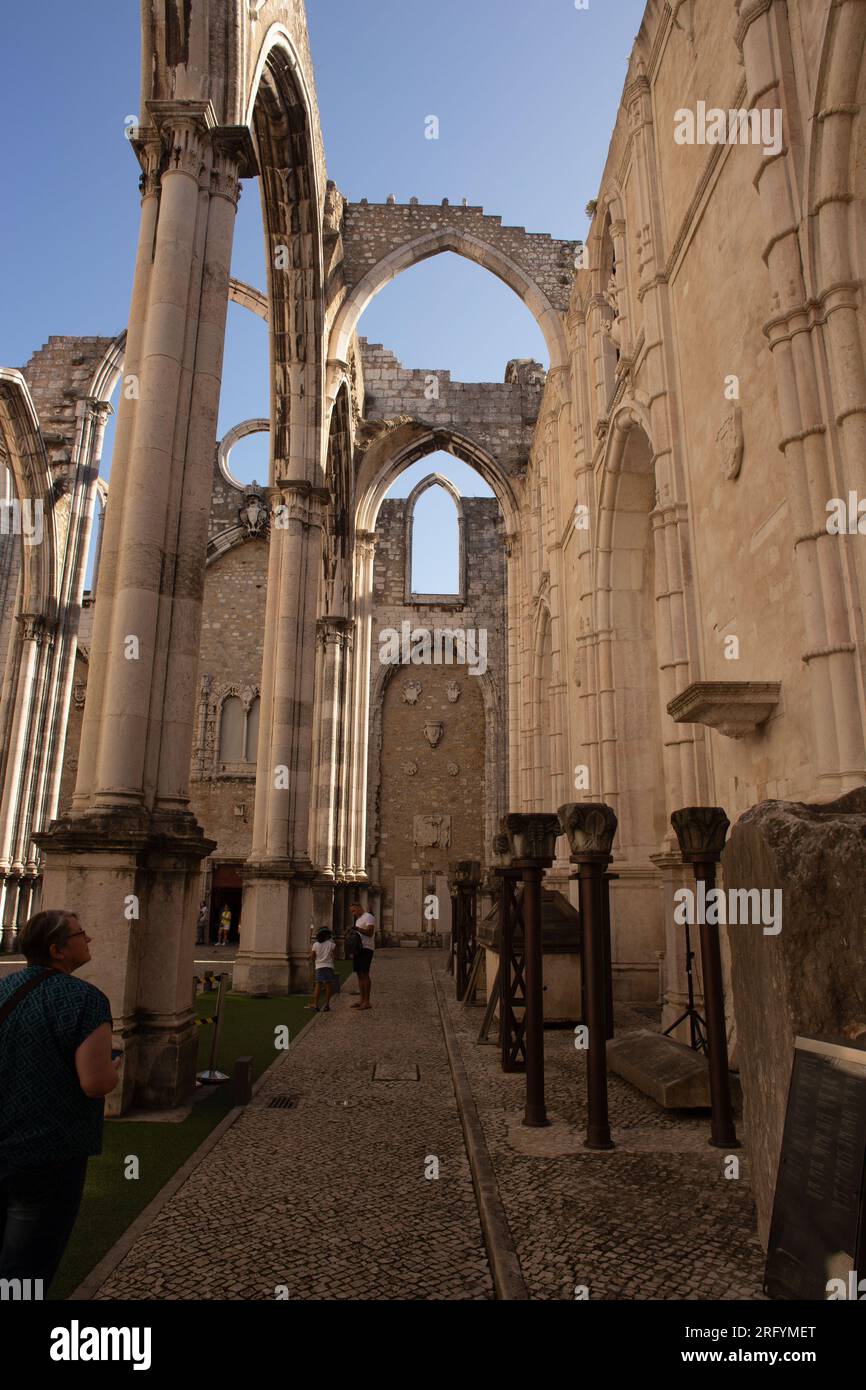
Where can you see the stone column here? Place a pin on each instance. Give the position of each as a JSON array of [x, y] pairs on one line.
[[36, 636], [128, 856], [278, 877], [831, 655]]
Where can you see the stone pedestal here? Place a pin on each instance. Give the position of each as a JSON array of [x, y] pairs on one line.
[[134, 883], [275, 920], [809, 978]]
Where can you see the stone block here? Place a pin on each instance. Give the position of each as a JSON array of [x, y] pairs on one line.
[[675, 1076], [809, 979]]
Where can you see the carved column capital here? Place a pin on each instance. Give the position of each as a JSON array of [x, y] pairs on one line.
[[335, 631], [301, 501], [701, 832], [35, 627], [590, 827], [532, 836], [183, 127]]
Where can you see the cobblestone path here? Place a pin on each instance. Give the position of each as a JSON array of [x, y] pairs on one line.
[[655, 1218], [329, 1199]]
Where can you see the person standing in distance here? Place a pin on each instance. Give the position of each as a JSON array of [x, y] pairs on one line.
[[56, 1067], [365, 926]]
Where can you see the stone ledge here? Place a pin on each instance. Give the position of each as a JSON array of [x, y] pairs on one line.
[[732, 708]]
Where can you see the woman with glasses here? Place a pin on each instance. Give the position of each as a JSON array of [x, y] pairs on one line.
[[56, 1067]]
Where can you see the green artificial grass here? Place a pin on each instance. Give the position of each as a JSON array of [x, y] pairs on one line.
[[111, 1201]]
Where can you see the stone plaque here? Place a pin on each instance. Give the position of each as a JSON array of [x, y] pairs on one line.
[[409, 905], [817, 1232], [431, 832]]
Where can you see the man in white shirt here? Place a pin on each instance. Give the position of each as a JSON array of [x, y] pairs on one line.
[[365, 925]]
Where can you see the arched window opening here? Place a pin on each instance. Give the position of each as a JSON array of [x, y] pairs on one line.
[[435, 544], [232, 736]]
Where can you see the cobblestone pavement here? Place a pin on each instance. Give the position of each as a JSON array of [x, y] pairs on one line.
[[329, 1199], [653, 1219]]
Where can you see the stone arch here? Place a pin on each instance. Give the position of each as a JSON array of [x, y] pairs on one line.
[[625, 620], [281, 113], [392, 451], [228, 442], [471, 246], [24, 453], [407, 442], [541, 681], [435, 480]]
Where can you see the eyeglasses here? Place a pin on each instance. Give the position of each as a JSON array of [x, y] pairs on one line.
[[72, 934]]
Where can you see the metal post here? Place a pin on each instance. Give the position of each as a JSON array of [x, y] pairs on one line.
[[212, 1077], [590, 828], [608, 954], [701, 832], [466, 876], [533, 846]]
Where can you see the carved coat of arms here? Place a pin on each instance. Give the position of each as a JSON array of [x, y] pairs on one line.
[[433, 732]]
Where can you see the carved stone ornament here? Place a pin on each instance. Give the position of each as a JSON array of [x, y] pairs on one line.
[[452, 690], [532, 835], [590, 828], [453, 770], [701, 831], [433, 731], [79, 692], [431, 832], [731, 444], [254, 515], [410, 769], [412, 692]]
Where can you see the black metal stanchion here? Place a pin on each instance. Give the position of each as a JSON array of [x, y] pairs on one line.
[[512, 980], [466, 876], [532, 839], [701, 831], [590, 828], [212, 1077]]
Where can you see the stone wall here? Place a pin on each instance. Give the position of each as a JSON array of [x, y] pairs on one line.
[[413, 780], [810, 978], [500, 416], [373, 231]]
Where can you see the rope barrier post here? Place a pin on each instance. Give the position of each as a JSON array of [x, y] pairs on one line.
[[212, 1077]]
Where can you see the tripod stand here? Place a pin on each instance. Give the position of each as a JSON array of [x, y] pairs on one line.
[[697, 1024]]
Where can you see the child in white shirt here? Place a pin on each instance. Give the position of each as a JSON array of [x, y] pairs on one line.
[[323, 952]]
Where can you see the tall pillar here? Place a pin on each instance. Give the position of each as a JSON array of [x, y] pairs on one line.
[[278, 902], [128, 856], [839, 725]]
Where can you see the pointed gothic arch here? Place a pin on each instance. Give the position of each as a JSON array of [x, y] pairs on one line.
[[483, 252]]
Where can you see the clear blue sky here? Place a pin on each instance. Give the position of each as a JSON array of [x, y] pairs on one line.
[[526, 92]]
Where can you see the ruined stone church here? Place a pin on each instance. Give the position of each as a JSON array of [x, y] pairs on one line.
[[670, 577]]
